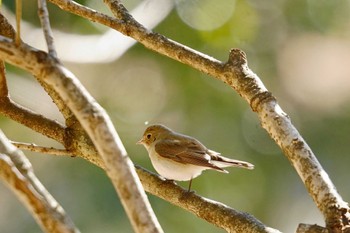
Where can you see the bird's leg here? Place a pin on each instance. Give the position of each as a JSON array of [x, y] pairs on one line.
[[189, 186], [189, 192]]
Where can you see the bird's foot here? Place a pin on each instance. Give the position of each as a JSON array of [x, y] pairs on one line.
[[170, 181], [187, 194]]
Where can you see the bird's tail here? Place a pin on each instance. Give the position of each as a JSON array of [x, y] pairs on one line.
[[222, 161]]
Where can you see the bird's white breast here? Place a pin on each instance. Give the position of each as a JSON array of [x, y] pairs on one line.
[[173, 170]]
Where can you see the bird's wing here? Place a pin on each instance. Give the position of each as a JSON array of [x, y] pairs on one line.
[[185, 152]]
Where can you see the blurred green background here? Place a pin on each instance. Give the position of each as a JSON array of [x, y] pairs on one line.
[[301, 51]]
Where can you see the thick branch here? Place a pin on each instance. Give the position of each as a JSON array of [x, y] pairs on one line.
[[37, 122], [17, 172], [214, 212]]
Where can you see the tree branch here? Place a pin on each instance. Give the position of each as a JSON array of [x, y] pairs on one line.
[[306, 228], [45, 23], [18, 21], [3, 84], [214, 212], [17, 172], [42, 149], [37, 122]]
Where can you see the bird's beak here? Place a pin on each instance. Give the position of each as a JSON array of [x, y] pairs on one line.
[[140, 142]]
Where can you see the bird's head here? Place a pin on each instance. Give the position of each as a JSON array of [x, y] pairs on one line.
[[153, 133]]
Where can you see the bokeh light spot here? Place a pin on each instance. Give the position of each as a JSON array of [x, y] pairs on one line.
[[205, 14]]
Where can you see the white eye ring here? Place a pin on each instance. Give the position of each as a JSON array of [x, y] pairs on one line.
[[148, 136]]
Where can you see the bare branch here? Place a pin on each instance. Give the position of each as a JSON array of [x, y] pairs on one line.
[[3, 84], [214, 212], [6, 29], [18, 21], [45, 23], [86, 12], [42, 149], [17, 172], [37, 122], [306, 228]]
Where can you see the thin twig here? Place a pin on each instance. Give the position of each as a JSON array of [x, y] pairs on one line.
[[45, 23], [42, 149], [17, 172], [18, 21]]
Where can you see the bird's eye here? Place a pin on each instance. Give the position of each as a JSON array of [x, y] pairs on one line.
[[149, 136]]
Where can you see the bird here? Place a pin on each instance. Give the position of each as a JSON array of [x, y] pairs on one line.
[[180, 157]]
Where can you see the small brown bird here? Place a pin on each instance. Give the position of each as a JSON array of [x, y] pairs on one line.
[[179, 157]]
